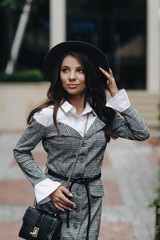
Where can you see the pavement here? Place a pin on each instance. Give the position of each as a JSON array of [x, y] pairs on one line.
[[129, 174]]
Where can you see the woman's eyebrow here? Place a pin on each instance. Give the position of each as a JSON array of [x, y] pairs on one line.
[[64, 66], [81, 66]]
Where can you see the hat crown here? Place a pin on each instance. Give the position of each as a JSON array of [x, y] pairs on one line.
[[56, 53]]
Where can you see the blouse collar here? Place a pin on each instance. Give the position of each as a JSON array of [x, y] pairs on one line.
[[67, 107]]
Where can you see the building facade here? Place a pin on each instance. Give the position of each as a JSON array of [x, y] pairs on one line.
[[127, 31]]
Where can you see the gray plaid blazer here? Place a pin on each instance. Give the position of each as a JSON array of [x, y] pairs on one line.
[[61, 154]]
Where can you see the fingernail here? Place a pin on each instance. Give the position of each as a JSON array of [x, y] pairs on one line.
[[69, 209], [101, 68], [71, 194], [74, 206], [62, 210]]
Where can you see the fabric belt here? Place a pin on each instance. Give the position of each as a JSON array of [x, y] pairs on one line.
[[80, 180]]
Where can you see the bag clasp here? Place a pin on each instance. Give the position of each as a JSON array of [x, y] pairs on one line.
[[35, 232]]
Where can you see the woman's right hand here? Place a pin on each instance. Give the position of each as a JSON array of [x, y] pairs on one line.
[[60, 201]]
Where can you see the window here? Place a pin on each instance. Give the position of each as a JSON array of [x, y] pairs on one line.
[[118, 28]]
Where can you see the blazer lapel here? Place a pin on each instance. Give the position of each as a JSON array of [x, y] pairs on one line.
[[66, 130], [96, 126]]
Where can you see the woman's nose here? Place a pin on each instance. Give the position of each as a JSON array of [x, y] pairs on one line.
[[72, 76]]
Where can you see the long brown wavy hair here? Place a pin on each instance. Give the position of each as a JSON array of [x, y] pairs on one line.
[[95, 92]]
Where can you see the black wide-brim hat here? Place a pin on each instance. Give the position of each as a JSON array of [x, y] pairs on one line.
[[56, 53]]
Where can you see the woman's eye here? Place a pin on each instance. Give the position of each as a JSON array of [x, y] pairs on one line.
[[64, 70], [81, 70]]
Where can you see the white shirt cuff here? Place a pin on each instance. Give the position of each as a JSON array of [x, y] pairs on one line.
[[120, 102], [44, 188]]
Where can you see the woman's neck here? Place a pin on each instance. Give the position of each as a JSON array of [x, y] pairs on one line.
[[78, 103]]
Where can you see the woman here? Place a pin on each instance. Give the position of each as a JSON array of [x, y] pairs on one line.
[[79, 74]]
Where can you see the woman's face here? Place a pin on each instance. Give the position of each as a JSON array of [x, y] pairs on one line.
[[73, 76]]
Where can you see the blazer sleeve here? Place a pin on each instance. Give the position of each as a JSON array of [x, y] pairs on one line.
[[34, 133], [130, 125]]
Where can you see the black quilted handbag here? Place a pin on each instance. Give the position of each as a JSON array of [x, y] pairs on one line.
[[40, 225]]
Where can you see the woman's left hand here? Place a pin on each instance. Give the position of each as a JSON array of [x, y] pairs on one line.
[[111, 83]]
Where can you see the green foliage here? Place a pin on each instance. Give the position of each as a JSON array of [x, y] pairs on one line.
[[156, 204], [33, 75], [12, 4], [157, 190], [17, 4], [157, 230]]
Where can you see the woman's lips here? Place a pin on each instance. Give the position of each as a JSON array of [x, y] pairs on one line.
[[72, 85]]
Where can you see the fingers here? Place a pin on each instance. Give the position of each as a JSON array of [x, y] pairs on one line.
[[111, 83], [111, 73], [61, 206], [104, 72], [66, 191], [110, 77], [60, 199]]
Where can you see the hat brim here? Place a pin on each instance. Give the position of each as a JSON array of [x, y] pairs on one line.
[[54, 55]]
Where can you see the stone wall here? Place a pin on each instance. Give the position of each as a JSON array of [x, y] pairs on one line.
[[17, 100]]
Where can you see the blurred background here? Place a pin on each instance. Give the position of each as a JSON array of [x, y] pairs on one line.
[[127, 31]]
